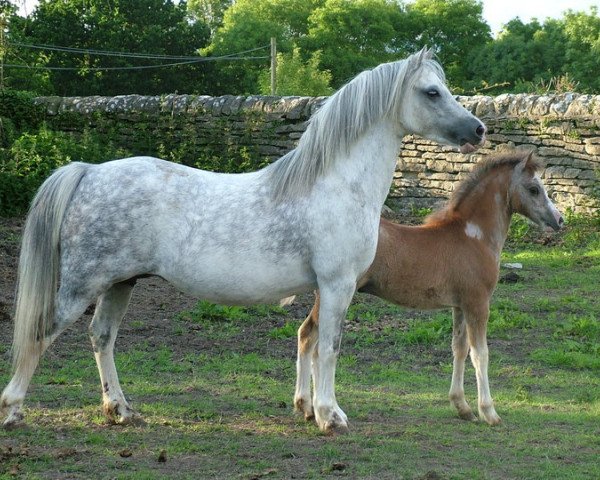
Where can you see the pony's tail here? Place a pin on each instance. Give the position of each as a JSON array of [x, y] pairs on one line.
[[39, 262]]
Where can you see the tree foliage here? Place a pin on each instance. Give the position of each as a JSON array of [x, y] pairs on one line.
[[531, 55], [339, 38], [296, 77], [210, 12], [454, 28], [354, 35], [158, 27], [249, 24]]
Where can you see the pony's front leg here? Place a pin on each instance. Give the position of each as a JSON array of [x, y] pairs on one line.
[[335, 298], [308, 335], [460, 350], [103, 330], [476, 329]]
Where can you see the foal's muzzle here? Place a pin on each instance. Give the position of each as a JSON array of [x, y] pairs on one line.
[[554, 220], [556, 224]]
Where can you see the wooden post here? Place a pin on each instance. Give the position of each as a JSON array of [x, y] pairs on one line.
[[273, 66], [2, 49]]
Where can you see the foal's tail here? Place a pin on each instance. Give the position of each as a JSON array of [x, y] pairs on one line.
[[39, 261]]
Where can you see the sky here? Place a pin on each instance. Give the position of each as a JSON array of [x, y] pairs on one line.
[[498, 12], [495, 12]]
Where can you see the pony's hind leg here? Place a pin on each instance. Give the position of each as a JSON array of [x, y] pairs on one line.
[[308, 335], [460, 350], [103, 329], [477, 319], [11, 401]]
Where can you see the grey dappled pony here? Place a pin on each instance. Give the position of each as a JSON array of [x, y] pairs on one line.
[[307, 221]]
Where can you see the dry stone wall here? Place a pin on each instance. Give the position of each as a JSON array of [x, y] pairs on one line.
[[564, 130]]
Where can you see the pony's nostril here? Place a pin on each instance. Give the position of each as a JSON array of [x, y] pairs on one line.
[[561, 221], [480, 130]]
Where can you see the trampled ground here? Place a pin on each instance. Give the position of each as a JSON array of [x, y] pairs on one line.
[[215, 386]]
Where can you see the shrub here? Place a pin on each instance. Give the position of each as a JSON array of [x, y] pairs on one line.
[[34, 156], [21, 110]]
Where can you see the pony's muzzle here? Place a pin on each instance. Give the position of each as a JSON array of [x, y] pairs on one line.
[[474, 139]]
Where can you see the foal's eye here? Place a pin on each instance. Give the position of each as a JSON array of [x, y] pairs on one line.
[[534, 191], [432, 93]]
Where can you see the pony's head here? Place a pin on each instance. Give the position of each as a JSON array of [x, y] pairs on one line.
[[425, 106], [528, 196]]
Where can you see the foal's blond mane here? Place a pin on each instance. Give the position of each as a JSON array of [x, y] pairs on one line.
[[484, 168]]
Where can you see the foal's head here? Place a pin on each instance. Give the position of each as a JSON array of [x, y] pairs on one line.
[[528, 196], [515, 173]]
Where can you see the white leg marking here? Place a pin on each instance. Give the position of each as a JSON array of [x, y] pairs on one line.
[[460, 350]]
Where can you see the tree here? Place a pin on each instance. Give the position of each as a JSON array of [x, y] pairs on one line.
[[158, 27], [539, 57], [582, 55], [455, 29], [211, 12], [295, 77], [250, 24], [18, 78], [354, 35], [510, 58]]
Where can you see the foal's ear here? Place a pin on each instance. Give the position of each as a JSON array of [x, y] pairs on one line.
[[529, 163]]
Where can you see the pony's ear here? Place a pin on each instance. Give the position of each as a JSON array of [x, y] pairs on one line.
[[425, 53]]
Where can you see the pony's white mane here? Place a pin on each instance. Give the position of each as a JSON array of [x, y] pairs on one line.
[[342, 119]]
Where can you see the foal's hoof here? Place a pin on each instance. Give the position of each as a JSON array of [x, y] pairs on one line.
[[493, 420], [490, 416], [14, 421], [469, 416], [304, 408]]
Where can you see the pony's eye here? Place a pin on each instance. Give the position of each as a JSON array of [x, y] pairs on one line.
[[534, 191], [432, 92]]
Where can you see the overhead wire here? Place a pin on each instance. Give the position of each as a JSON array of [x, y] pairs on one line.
[[185, 60]]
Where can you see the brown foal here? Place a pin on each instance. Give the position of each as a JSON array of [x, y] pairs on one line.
[[452, 260]]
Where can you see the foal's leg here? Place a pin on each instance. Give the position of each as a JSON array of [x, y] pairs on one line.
[[308, 336], [69, 307], [477, 319], [335, 298], [460, 350], [103, 330]]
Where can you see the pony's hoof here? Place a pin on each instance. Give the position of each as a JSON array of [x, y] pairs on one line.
[[135, 420], [336, 428], [117, 414], [337, 425]]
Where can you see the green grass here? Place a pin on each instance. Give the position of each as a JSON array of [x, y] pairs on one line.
[[224, 409]]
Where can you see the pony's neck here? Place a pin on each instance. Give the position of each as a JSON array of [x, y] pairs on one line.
[[487, 211], [368, 167]]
